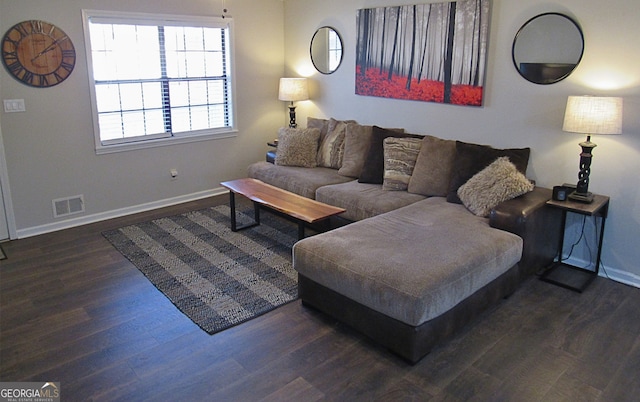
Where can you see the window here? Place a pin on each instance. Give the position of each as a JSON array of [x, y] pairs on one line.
[[335, 50], [158, 79]]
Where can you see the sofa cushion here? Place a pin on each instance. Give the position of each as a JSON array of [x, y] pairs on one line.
[[401, 278], [363, 200], [433, 168], [320, 124], [331, 146], [357, 141], [297, 147], [373, 169], [400, 156], [498, 182], [472, 158], [299, 180]]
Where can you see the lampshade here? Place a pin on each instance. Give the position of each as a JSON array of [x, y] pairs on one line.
[[293, 89], [593, 115]]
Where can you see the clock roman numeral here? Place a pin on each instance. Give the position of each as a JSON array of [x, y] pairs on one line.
[[40, 80], [54, 78], [28, 77], [36, 27], [10, 57], [15, 67], [22, 30], [68, 54], [67, 66], [15, 43], [57, 76]]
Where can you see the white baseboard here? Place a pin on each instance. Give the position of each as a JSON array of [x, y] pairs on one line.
[[622, 276], [102, 216], [607, 272]]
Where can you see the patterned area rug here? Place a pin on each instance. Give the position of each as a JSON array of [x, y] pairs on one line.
[[216, 277]]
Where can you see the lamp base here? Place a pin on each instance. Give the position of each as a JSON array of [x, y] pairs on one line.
[[586, 198], [582, 193], [292, 116]]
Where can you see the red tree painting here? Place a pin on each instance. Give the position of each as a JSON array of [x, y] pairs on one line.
[[427, 52]]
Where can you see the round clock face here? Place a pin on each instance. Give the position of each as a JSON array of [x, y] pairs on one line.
[[38, 53]]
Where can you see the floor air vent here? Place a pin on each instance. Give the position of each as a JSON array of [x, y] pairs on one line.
[[68, 206]]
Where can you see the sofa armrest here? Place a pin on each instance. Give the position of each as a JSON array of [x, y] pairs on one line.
[[539, 226]]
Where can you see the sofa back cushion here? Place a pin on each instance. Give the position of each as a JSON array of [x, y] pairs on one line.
[[433, 167], [320, 124], [356, 145], [357, 141], [472, 158]]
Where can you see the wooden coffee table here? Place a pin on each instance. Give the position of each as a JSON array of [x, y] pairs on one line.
[[301, 209]]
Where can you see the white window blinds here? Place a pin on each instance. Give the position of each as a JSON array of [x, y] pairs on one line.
[[156, 78]]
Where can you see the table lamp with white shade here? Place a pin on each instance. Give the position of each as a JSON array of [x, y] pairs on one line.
[[293, 90], [590, 115]]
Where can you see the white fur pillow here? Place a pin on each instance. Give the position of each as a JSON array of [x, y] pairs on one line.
[[498, 182]]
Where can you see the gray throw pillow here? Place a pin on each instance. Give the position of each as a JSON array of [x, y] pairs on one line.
[[400, 156], [433, 168], [297, 147], [357, 140]]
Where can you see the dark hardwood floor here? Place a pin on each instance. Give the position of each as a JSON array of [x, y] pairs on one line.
[[74, 310]]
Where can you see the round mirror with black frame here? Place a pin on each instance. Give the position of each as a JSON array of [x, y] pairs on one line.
[[547, 48], [326, 50]]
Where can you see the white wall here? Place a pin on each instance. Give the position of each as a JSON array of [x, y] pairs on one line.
[[516, 113], [50, 148]]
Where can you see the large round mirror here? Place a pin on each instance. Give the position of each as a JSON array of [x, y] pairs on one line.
[[326, 50], [548, 48]]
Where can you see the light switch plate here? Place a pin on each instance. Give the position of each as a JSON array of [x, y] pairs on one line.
[[14, 105]]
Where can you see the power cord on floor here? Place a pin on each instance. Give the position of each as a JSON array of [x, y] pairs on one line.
[[602, 267], [586, 241], [584, 220]]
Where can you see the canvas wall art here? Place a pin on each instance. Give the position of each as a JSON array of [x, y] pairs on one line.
[[427, 52]]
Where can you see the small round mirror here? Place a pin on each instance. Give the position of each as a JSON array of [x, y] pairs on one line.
[[548, 48], [326, 50]]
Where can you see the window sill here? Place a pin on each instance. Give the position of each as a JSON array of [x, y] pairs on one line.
[[163, 142]]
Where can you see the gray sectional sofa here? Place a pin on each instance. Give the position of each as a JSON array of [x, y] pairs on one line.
[[426, 252]]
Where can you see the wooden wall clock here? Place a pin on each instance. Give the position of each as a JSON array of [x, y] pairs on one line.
[[38, 53]]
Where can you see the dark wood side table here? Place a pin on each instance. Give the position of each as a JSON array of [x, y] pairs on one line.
[[567, 275]]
